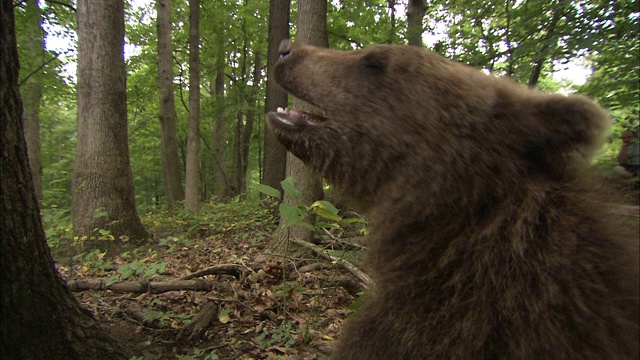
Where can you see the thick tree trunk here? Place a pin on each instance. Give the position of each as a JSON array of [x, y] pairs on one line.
[[415, 13], [275, 155], [32, 90], [312, 30], [193, 138], [221, 190], [102, 184], [171, 169], [40, 318]]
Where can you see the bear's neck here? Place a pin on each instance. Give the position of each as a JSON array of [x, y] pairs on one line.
[[509, 223]]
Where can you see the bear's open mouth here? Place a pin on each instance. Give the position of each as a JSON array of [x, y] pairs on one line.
[[295, 118]]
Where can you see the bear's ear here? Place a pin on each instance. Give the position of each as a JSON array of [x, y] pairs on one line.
[[573, 124], [567, 131]]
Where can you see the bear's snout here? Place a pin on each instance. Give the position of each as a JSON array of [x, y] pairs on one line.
[[284, 49]]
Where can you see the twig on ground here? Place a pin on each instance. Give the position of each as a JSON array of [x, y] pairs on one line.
[[365, 280]]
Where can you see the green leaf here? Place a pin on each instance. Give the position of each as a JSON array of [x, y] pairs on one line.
[[125, 271], [289, 188], [267, 190], [357, 303], [327, 206], [112, 280], [306, 226], [327, 214], [99, 212], [292, 214]]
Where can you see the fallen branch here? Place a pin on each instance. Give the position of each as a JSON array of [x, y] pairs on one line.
[[155, 287], [200, 322], [140, 316], [225, 269], [365, 280]]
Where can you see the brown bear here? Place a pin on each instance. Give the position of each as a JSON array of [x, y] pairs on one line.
[[489, 236]]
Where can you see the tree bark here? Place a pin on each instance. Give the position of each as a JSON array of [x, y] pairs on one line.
[[193, 138], [248, 126], [241, 84], [32, 90], [221, 190], [171, 170], [275, 156], [312, 30], [415, 13], [40, 317], [102, 184]]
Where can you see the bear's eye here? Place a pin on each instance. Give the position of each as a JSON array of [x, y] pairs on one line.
[[374, 63]]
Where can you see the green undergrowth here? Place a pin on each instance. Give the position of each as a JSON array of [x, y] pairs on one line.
[[238, 218], [235, 220]]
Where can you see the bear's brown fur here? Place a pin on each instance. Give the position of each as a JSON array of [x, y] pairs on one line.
[[489, 239]]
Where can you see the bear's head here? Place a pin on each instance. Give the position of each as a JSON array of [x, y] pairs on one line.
[[400, 116]]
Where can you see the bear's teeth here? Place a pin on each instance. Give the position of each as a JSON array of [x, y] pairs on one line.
[[282, 110]]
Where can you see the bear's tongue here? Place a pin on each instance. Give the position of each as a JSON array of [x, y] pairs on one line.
[[295, 117]]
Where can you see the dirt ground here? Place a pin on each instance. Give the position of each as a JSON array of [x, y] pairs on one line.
[[289, 309]]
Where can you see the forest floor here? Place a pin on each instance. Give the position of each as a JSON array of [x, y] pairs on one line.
[[255, 306], [206, 287]]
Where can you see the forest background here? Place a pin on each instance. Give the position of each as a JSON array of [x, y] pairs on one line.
[[216, 208], [512, 38]]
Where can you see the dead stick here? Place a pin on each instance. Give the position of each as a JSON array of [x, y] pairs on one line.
[[365, 279]]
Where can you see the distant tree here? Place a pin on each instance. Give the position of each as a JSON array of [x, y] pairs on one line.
[[521, 39], [193, 138], [245, 114], [550, 39], [102, 183], [614, 82], [416, 10], [39, 318], [247, 130], [31, 88], [312, 30], [171, 169], [275, 155], [220, 174]]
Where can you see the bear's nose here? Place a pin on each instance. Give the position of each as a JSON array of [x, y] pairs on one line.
[[285, 48]]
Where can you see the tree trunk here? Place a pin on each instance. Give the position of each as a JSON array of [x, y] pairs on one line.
[[193, 139], [241, 85], [171, 170], [508, 30], [542, 56], [102, 185], [391, 4], [221, 190], [40, 317], [312, 30], [275, 155], [236, 177], [248, 126], [32, 90], [415, 13]]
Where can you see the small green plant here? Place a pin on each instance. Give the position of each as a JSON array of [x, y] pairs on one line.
[[295, 214], [137, 270], [325, 215], [282, 336]]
